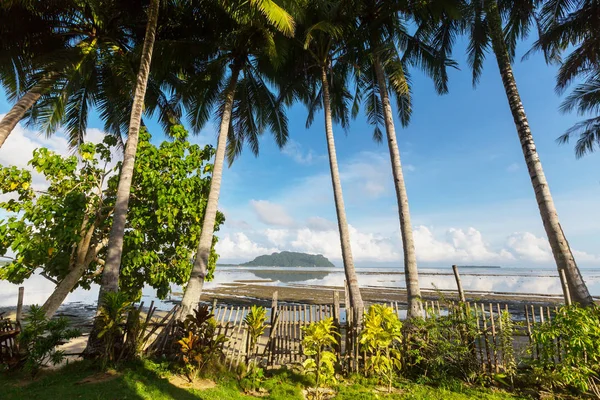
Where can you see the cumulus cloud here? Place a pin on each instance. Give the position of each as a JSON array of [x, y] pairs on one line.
[[271, 213], [238, 246], [527, 246], [320, 224]]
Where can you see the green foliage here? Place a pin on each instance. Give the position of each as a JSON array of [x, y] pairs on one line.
[[251, 376], [319, 339], [255, 321], [381, 337], [46, 229], [505, 347], [442, 347], [39, 339], [199, 346], [110, 321], [290, 259], [577, 329]]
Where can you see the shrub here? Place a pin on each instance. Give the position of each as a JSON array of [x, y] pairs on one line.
[[319, 339], [199, 345], [110, 321], [442, 347], [381, 337], [39, 339], [568, 349]]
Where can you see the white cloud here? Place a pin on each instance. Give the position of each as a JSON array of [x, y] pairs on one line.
[[271, 213], [320, 224], [409, 168], [277, 236], [526, 246], [514, 167], [238, 246], [296, 152]]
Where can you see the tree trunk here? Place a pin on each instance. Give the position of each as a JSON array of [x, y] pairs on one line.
[[558, 242], [193, 290], [355, 296], [110, 275], [18, 111], [411, 272], [68, 283]]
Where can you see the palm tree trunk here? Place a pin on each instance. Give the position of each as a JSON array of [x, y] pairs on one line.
[[110, 275], [193, 290], [18, 111], [411, 272], [558, 242], [355, 296]]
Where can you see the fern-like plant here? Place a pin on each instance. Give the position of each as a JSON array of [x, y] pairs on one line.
[[39, 339], [111, 319]]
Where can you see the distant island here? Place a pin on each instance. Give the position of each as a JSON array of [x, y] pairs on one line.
[[290, 259]]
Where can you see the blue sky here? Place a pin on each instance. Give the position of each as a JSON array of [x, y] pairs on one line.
[[470, 195]]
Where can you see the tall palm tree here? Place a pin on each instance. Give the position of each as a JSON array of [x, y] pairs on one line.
[[484, 25], [245, 103], [27, 38], [575, 27], [318, 75], [110, 274], [383, 27]]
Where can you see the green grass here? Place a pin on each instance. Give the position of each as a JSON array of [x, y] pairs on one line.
[[148, 380]]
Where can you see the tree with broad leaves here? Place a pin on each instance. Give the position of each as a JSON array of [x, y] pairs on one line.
[[63, 229]]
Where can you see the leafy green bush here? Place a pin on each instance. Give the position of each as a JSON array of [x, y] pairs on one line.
[[568, 349], [381, 337], [39, 339], [251, 376], [200, 347], [442, 347], [319, 339]]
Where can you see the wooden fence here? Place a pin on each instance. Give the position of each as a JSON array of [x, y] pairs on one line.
[[281, 343]]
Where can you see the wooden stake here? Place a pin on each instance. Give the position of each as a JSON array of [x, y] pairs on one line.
[[565, 287], [20, 306], [461, 293]]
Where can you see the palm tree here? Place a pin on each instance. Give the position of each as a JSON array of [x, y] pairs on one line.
[[245, 103], [318, 74], [484, 24], [576, 25], [110, 274], [383, 27]]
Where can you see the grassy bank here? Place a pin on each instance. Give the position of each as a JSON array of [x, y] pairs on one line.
[[148, 380]]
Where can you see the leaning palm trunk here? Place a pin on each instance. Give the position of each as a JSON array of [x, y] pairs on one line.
[[24, 104], [110, 275], [411, 273], [355, 297], [66, 285], [558, 242], [193, 290]]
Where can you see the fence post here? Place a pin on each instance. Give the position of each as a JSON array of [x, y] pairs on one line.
[[565, 287], [20, 306], [461, 293]]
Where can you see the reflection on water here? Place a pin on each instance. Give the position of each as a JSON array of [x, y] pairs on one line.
[[516, 280]]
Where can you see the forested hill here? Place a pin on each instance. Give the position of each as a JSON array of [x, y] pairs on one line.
[[290, 259]]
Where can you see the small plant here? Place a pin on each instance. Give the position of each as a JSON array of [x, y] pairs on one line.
[[251, 377], [39, 339], [318, 342], [505, 347], [199, 345], [255, 321], [111, 318], [381, 338], [568, 350]]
